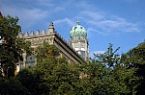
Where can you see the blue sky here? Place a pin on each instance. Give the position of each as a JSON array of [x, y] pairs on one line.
[[120, 22]]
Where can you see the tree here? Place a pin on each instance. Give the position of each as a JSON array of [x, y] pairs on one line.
[[109, 57], [11, 47], [52, 75], [12, 86], [33, 81], [50, 78], [46, 51], [121, 78], [136, 58]]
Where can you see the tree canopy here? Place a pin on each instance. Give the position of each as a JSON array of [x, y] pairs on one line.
[[11, 46], [106, 74], [136, 58]]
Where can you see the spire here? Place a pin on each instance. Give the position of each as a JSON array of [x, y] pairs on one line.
[[51, 28], [78, 22], [33, 33], [28, 34]]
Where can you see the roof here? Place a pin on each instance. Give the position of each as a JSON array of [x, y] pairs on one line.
[[53, 38], [78, 32]]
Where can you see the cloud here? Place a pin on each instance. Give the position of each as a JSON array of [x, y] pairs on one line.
[[39, 10], [92, 53], [84, 5], [43, 2], [129, 1], [33, 15], [93, 15], [109, 23], [99, 52], [32, 3], [58, 9], [64, 21], [27, 16], [30, 12]]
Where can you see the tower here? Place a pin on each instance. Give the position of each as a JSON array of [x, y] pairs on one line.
[[79, 41]]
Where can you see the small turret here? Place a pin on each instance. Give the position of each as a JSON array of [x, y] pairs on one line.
[[43, 32], [28, 34], [34, 34], [51, 28], [37, 32]]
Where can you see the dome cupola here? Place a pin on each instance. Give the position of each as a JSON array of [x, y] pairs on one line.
[[79, 41], [78, 32]]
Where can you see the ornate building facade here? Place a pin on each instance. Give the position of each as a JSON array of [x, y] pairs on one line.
[[75, 52]]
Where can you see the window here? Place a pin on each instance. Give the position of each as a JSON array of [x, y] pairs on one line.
[[75, 28], [83, 54]]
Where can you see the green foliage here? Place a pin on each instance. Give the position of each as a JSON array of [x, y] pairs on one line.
[[46, 52], [109, 57], [59, 76], [137, 55], [12, 47], [124, 79], [33, 82], [136, 58], [50, 78], [54, 76], [12, 87]]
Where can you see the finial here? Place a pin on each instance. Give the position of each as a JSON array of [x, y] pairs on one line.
[[43, 32], [51, 24], [78, 22], [33, 33], [37, 32], [51, 28], [27, 33]]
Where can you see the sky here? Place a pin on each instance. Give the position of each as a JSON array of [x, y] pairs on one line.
[[120, 22]]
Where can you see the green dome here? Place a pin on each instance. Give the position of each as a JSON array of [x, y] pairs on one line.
[[78, 32]]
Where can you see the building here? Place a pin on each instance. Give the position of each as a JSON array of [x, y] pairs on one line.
[[79, 41], [75, 52]]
